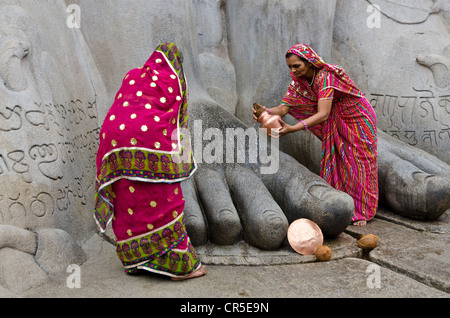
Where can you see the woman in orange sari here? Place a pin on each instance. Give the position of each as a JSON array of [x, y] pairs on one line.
[[144, 154]]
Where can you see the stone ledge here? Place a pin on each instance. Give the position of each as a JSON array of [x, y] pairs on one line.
[[243, 254], [420, 253], [441, 225]]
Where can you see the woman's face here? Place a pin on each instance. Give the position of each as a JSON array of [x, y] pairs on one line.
[[297, 66]]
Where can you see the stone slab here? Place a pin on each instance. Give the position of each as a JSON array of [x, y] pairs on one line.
[[103, 276], [441, 225], [422, 255], [243, 254]]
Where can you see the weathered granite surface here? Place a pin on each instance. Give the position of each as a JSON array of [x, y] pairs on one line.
[[407, 263], [60, 66], [402, 64]]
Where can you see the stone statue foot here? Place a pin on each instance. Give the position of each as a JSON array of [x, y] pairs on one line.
[[303, 194], [412, 182], [236, 205], [229, 202], [29, 259], [262, 218]]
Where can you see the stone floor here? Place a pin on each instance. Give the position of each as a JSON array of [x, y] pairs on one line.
[[412, 260]]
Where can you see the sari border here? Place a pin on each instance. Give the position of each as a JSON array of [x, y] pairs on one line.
[[151, 257], [164, 271], [103, 222], [177, 177]]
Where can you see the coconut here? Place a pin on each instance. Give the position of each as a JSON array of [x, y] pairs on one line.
[[368, 242], [323, 253]]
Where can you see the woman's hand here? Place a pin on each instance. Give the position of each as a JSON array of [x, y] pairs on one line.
[[285, 129], [255, 119], [255, 112], [280, 110]]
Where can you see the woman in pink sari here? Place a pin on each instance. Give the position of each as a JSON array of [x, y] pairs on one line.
[[326, 101], [144, 154]]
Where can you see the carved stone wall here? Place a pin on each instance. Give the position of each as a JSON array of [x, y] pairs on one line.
[[53, 99], [400, 57], [58, 78], [49, 124]]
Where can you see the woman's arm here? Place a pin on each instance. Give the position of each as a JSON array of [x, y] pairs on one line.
[[323, 112], [280, 110]]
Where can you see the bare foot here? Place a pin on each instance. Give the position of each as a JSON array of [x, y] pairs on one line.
[[360, 223], [197, 273]]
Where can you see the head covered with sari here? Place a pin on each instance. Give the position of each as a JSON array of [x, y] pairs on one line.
[[342, 81], [144, 136]]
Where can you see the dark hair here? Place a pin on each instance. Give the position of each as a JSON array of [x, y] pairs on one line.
[[289, 54]]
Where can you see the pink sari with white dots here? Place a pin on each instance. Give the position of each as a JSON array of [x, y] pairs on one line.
[[144, 154]]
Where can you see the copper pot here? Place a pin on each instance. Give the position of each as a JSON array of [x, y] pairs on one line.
[[271, 123], [304, 236]]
